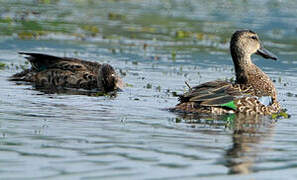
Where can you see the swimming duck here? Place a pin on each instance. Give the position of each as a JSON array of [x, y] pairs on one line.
[[49, 71], [252, 93]]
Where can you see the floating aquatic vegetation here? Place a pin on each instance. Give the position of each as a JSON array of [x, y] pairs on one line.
[[282, 114], [2, 65], [148, 29], [31, 34], [47, 1], [158, 88], [173, 55], [129, 85], [91, 29], [289, 94], [149, 86], [183, 34], [115, 16], [145, 45], [6, 19]]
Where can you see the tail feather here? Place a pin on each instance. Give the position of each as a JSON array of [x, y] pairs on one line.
[[21, 76], [40, 61]]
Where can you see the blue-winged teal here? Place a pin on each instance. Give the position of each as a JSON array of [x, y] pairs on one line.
[[59, 72], [253, 92]]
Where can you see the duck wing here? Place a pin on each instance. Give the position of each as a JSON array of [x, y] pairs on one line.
[[40, 62], [214, 93]]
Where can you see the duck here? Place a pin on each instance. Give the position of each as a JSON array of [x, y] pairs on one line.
[[53, 72], [252, 93]]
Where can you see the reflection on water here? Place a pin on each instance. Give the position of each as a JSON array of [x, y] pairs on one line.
[[72, 91], [247, 134]]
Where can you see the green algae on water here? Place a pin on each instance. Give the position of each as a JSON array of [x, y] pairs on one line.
[[2, 65]]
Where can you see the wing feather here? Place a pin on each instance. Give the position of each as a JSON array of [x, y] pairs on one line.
[[214, 93], [41, 62]]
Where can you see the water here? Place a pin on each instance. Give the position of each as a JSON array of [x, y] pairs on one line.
[[157, 46]]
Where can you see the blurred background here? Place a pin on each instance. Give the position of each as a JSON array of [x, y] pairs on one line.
[[155, 45]]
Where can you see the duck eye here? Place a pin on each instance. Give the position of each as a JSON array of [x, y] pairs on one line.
[[254, 37]]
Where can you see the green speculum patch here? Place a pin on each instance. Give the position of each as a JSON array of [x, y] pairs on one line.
[[230, 105]]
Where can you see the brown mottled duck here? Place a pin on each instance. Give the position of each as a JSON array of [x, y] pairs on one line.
[[49, 71], [253, 92]]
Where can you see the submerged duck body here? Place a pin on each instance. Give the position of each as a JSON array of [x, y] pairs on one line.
[[253, 92], [49, 71]]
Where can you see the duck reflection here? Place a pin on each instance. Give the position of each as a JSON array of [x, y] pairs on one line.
[[70, 91], [247, 134]]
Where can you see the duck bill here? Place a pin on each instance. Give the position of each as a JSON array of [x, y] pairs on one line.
[[120, 84], [266, 54]]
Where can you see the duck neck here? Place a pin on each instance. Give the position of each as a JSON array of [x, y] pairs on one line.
[[242, 64]]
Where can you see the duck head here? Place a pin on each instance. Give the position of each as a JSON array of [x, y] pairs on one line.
[[108, 80], [244, 43]]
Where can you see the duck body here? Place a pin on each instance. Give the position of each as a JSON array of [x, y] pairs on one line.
[[49, 71], [252, 93]]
